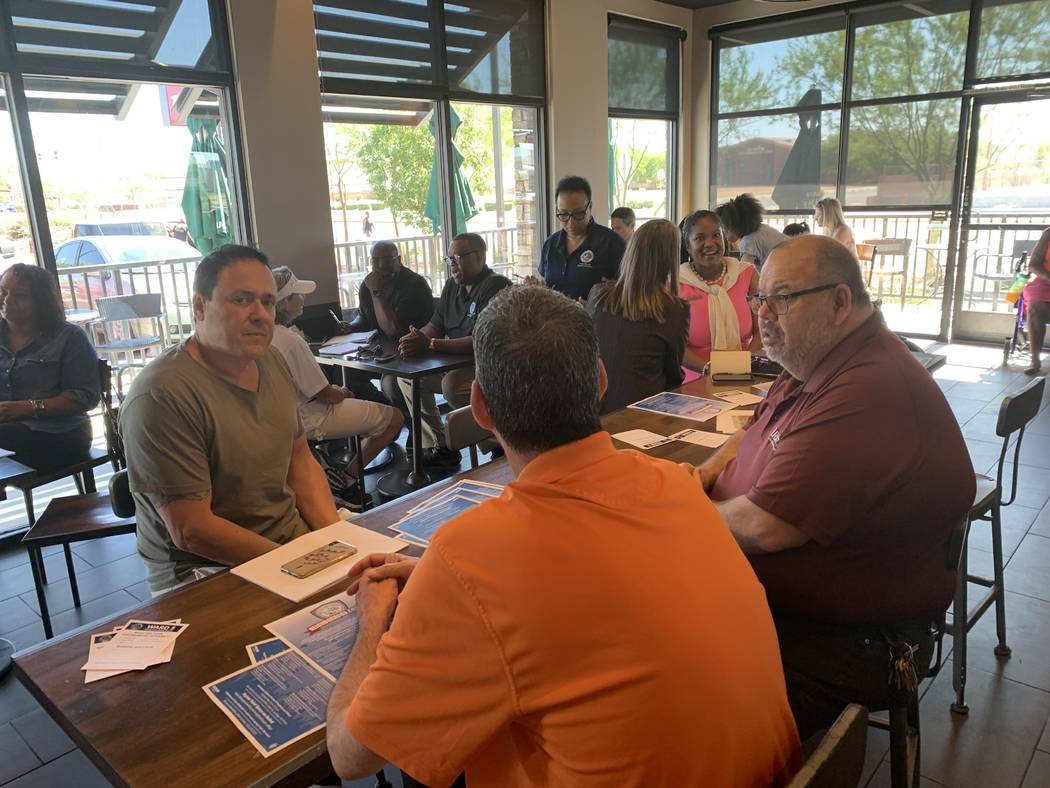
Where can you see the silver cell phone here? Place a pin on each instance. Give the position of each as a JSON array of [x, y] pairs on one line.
[[319, 559]]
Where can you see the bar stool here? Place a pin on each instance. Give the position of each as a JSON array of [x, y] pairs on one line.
[[1015, 412]]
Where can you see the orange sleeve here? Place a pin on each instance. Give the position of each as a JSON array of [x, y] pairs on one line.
[[440, 686]]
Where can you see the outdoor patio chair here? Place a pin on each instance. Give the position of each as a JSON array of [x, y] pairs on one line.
[[124, 344], [889, 260]]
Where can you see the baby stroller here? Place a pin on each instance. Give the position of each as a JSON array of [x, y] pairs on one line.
[[1017, 344]]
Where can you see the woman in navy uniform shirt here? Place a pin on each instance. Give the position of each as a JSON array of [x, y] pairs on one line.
[[582, 253]]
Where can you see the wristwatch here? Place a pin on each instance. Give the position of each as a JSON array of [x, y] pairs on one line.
[[38, 407], [431, 345]]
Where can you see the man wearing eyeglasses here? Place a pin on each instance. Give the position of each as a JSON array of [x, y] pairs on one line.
[[845, 487], [470, 287], [582, 253]]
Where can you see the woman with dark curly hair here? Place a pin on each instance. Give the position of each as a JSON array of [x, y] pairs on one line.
[[50, 373], [742, 221]]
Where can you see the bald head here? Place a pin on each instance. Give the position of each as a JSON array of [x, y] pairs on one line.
[[813, 260], [386, 260]]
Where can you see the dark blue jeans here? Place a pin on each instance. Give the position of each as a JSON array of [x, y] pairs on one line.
[[45, 451]]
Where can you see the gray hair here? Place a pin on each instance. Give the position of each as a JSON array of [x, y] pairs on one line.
[[536, 356], [836, 263]]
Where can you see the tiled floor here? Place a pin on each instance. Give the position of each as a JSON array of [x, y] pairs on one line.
[[1004, 742]]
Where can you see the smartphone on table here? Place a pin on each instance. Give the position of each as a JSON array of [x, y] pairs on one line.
[[319, 559]]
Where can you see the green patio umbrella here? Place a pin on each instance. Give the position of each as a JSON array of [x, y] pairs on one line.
[[206, 196], [466, 209]]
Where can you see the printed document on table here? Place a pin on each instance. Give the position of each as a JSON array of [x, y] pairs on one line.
[[135, 647], [424, 524], [468, 488], [257, 652], [642, 439], [738, 397], [701, 438], [276, 702], [325, 633], [682, 405]]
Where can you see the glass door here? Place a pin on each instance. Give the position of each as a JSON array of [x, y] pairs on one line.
[[1005, 207]]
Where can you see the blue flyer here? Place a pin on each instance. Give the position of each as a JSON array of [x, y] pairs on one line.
[[324, 632], [682, 405], [424, 523], [275, 702], [257, 652]]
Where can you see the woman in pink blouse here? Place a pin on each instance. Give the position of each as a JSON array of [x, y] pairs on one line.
[[716, 288]]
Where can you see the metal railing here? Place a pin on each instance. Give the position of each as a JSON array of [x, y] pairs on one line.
[[80, 286], [992, 247], [424, 254]]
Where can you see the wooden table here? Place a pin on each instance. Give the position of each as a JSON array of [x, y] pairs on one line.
[[398, 482], [158, 726]]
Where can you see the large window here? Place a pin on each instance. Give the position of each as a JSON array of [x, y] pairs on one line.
[[433, 119], [132, 175], [644, 98], [869, 104], [15, 237], [779, 98]]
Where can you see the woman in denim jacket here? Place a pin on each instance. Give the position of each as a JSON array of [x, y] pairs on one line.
[[48, 373]]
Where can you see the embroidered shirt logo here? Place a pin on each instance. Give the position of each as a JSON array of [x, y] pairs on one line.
[[774, 439], [587, 257]]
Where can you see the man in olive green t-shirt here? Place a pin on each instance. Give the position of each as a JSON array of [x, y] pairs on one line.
[[217, 460]]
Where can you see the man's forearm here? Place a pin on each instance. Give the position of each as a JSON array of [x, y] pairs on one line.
[[756, 530], [350, 758], [463, 346], [195, 529], [313, 496], [386, 318]]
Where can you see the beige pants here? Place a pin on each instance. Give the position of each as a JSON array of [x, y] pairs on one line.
[[454, 386]]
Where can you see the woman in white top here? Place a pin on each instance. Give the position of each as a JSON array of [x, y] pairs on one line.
[[741, 219], [829, 217], [327, 411]]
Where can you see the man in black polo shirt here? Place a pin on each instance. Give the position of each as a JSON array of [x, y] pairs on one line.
[[390, 300], [582, 253], [450, 330]]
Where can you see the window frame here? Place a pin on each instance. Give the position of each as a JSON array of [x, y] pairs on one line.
[[443, 95], [16, 67], [674, 118], [971, 84]]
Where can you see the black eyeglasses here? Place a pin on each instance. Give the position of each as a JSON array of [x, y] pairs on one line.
[[578, 215], [454, 259], [778, 304]]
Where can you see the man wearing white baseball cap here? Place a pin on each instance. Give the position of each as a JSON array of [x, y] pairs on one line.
[[327, 410]]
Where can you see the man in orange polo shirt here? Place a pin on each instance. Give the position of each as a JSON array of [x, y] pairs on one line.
[[578, 630]]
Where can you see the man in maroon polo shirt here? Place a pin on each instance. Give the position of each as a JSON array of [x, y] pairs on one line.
[[845, 487]]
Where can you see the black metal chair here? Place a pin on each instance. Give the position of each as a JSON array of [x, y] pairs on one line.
[[75, 518], [1015, 412]]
